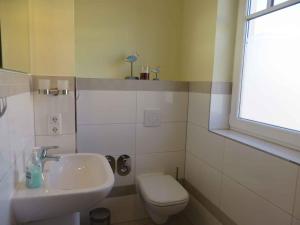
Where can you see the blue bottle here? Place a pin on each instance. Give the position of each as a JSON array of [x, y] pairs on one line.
[[34, 173]]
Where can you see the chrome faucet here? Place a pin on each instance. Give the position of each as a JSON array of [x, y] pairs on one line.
[[44, 156]]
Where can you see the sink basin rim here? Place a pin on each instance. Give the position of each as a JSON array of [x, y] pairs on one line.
[[22, 192]]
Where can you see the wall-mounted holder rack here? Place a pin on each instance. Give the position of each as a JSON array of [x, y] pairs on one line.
[[61, 87], [3, 106], [53, 91]]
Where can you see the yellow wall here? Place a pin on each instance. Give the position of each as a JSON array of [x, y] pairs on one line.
[[199, 26], [108, 30], [52, 37], [191, 40], [225, 40], [15, 34]]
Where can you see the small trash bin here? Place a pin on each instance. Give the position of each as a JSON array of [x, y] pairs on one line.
[[100, 216]]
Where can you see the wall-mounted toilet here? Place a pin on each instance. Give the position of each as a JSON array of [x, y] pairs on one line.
[[162, 195]]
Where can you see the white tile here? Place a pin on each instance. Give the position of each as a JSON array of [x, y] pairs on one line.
[[123, 209], [6, 191], [44, 106], [114, 139], [172, 105], [247, 208], [198, 112], [161, 162], [204, 178], [21, 131], [66, 143], [5, 150], [205, 145], [198, 214], [268, 176], [219, 111], [167, 137], [103, 107]]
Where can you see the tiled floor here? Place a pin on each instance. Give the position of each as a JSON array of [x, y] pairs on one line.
[[175, 220]]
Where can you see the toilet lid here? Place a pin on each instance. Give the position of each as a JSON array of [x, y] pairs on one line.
[[162, 190]]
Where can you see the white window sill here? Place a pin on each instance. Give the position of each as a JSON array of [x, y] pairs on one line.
[[285, 153]]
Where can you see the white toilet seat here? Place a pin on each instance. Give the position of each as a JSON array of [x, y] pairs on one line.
[[162, 190], [163, 196]]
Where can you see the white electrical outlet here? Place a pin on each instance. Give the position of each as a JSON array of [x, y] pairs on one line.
[[55, 124], [152, 118]]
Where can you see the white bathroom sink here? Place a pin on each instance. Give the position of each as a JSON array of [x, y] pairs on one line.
[[74, 183]]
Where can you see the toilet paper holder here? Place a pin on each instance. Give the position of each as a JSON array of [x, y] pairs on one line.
[[124, 165]]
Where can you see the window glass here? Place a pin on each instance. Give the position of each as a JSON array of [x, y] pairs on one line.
[[271, 75], [258, 5]]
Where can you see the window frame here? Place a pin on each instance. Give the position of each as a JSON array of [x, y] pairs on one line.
[[278, 135]]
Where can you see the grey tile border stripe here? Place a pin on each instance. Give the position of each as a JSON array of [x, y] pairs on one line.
[[130, 85], [104, 84], [212, 208], [208, 87], [122, 191], [200, 87], [180, 86], [53, 81]]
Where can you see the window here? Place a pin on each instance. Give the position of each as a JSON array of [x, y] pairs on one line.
[[266, 96]]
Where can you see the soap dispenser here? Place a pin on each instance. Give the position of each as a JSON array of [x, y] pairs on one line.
[[34, 173]]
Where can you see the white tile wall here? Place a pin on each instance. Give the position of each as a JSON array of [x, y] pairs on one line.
[[173, 105], [268, 176], [198, 109], [166, 138], [161, 162], [16, 140], [219, 111], [21, 131], [6, 191], [111, 122], [246, 208], [205, 145], [112, 139], [5, 153], [106, 107], [203, 177]]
